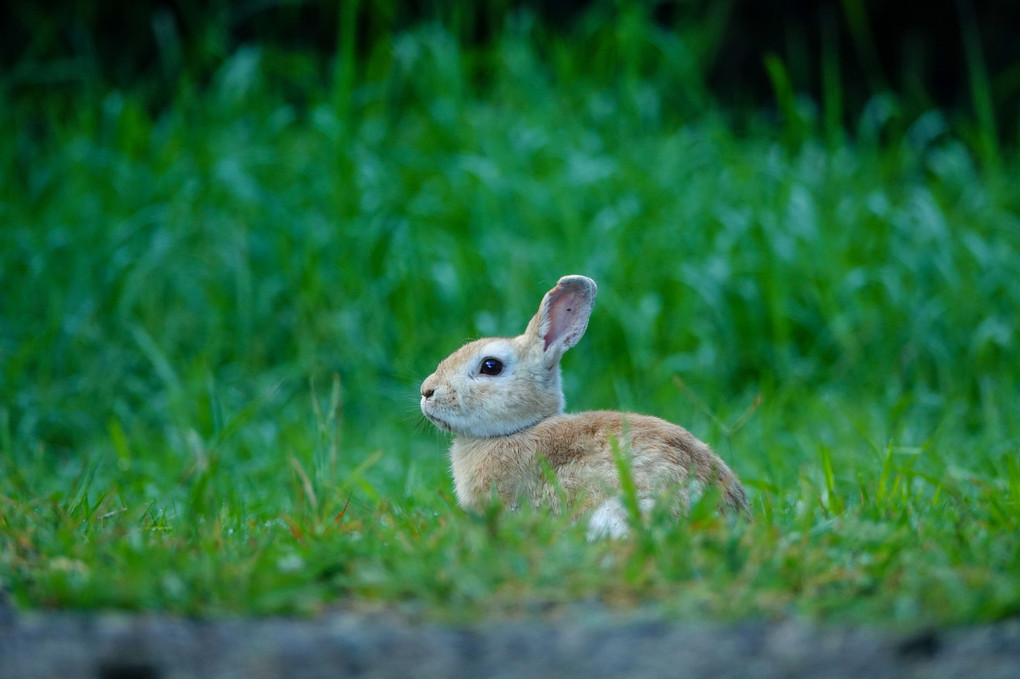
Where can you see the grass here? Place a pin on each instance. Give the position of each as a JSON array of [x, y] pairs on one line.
[[215, 318]]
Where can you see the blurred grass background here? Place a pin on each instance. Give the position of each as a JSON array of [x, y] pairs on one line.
[[235, 237]]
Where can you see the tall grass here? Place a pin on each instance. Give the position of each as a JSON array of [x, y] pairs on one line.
[[214, 319]]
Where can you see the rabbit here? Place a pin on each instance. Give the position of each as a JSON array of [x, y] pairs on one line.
[[502, 400]]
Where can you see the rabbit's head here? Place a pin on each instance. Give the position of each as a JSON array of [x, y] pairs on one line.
[[497, 385]]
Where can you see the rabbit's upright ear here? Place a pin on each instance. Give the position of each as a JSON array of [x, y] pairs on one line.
[[563, 316]]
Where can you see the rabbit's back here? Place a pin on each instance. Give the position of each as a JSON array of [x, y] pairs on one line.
[[577, 449]]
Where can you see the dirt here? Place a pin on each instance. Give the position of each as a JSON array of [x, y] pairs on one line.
[[125, 646]]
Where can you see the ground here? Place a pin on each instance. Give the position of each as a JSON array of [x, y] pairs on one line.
[[120, 646]]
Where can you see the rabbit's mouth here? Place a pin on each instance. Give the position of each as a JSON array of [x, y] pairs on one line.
[[457, 423], [442, 424]]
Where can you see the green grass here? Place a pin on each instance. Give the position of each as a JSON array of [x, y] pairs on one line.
[[214, 320]]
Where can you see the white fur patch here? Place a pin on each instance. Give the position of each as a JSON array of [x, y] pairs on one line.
[[610, 519]]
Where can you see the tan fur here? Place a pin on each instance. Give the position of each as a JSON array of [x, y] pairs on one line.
[[510, 433], [578, 449]]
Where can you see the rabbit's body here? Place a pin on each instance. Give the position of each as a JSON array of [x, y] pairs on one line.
[[502, 399], [578, 450]]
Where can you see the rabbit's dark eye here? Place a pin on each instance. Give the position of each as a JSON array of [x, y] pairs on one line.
[[491, 366]]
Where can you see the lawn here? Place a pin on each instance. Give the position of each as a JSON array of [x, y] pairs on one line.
[[215, 315]]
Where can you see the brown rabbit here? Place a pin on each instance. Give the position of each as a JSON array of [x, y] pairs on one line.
[[502, 399]]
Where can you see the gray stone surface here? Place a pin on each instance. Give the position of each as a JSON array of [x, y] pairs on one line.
[[121, 646]]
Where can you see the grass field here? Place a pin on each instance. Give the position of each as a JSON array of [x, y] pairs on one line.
[[214, 319]]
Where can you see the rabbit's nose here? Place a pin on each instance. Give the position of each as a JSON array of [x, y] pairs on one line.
[[427, 392]]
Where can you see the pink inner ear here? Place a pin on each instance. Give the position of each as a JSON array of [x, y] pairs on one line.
[[563, 310]]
